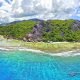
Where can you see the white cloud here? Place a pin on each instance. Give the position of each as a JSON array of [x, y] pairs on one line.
[[43, 9], [5, 12]]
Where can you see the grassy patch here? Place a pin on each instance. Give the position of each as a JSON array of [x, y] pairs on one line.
[[47, 47], [52, 47]]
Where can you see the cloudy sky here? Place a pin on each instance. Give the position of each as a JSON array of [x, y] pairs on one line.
[[12, 10]]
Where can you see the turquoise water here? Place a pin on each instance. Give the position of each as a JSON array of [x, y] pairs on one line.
[[22, 65]]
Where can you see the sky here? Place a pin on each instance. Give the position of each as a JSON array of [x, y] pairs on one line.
[[14, 10]]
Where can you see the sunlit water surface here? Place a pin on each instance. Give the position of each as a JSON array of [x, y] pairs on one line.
[[23, 65]]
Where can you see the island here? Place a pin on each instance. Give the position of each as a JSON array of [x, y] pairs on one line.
[[49, 36]]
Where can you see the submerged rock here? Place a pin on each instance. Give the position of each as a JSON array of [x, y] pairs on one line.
[[72, 74]]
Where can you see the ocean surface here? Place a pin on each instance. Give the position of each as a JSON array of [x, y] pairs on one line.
[[26, 65]]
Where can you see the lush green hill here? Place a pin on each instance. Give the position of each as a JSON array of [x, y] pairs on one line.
[[62, 30], [53, 30], [18, 30]]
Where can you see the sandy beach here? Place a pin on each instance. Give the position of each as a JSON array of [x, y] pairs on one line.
[[52, 48], [10, 45]]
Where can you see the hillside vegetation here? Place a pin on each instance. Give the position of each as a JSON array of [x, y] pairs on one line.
[[53, 30], [17, 30], [63, 30]]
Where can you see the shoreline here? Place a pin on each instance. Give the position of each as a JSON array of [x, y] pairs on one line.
[[52, 48], [19, 48], [64, 54]]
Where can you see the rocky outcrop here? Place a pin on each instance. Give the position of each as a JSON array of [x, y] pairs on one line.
[[36, 33], [76, 26]]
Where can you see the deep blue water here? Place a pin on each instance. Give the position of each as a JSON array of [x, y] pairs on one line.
[[22, 65]]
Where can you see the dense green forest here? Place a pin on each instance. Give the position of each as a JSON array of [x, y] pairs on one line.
[[63, 30], [53, 30], [17, 30]]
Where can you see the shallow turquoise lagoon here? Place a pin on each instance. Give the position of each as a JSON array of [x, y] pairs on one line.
[[22, 65]]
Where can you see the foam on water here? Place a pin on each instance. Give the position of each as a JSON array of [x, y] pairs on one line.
[[68, 53]]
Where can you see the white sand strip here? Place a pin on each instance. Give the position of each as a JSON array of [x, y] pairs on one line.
[[65, 54]]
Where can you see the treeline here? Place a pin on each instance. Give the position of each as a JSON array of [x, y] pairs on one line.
[[62, 30], [53, 30]]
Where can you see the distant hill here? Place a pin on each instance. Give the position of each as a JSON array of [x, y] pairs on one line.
[[39, 30], [35, 19], [14, 22]]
